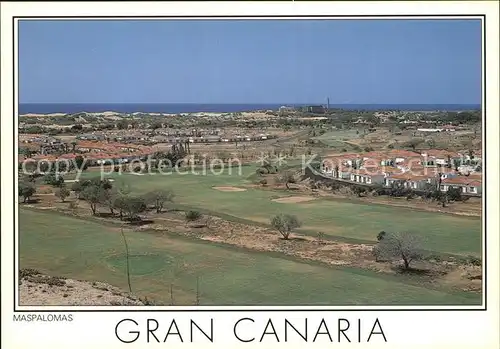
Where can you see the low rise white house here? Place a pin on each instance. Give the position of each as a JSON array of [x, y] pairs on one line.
[[466, 185], [367, 177], [410, 181]]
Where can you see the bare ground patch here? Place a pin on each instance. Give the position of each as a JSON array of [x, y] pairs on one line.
[[229, 189]]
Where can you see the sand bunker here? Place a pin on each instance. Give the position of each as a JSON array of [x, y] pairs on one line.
[[228, 189], [77, 180], [293, 199]]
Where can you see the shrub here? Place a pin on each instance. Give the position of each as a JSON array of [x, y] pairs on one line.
[[192, 215], [263, 182], [77, 187], [454, 194], [359, 191], [147, 301], [73, 205], [381, 235], [53, 179], [54, 281], [410, 195], [261, 171], [472, 260], [28, 272]]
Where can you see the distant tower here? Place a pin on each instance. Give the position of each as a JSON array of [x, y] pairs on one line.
[[327, 103]]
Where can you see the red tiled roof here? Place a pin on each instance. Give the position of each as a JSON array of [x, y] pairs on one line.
[[366, 172], [461, 180], [409, 177]]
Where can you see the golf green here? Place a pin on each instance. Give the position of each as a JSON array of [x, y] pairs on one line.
[[224, 275], [342, 219]]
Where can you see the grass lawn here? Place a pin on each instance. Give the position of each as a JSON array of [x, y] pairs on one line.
[[80, 249], [336, 139], [336, 218]]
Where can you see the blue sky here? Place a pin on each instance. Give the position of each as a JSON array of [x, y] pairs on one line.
[[251, 61]]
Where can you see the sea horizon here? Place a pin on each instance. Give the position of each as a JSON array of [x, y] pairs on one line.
[[178, 108]]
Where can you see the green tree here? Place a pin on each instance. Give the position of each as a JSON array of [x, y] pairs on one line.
[[26, 190], [288, 177], [413, 143], [108, 199], [53, 179], [62, 193], [119, 203], [454, 194], [133, 206], [77, 187], [26, 152], [80, 163], [285, 224], [93, 194], [403, 246], [158, 198]]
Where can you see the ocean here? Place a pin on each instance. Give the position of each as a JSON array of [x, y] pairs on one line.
[[177, 108]]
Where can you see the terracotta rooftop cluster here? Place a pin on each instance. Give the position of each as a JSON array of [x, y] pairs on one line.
[[402, 165]]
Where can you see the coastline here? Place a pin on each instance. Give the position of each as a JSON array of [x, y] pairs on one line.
[[110, 109]]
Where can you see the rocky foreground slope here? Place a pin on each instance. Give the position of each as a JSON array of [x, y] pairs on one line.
[[39, 289]]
